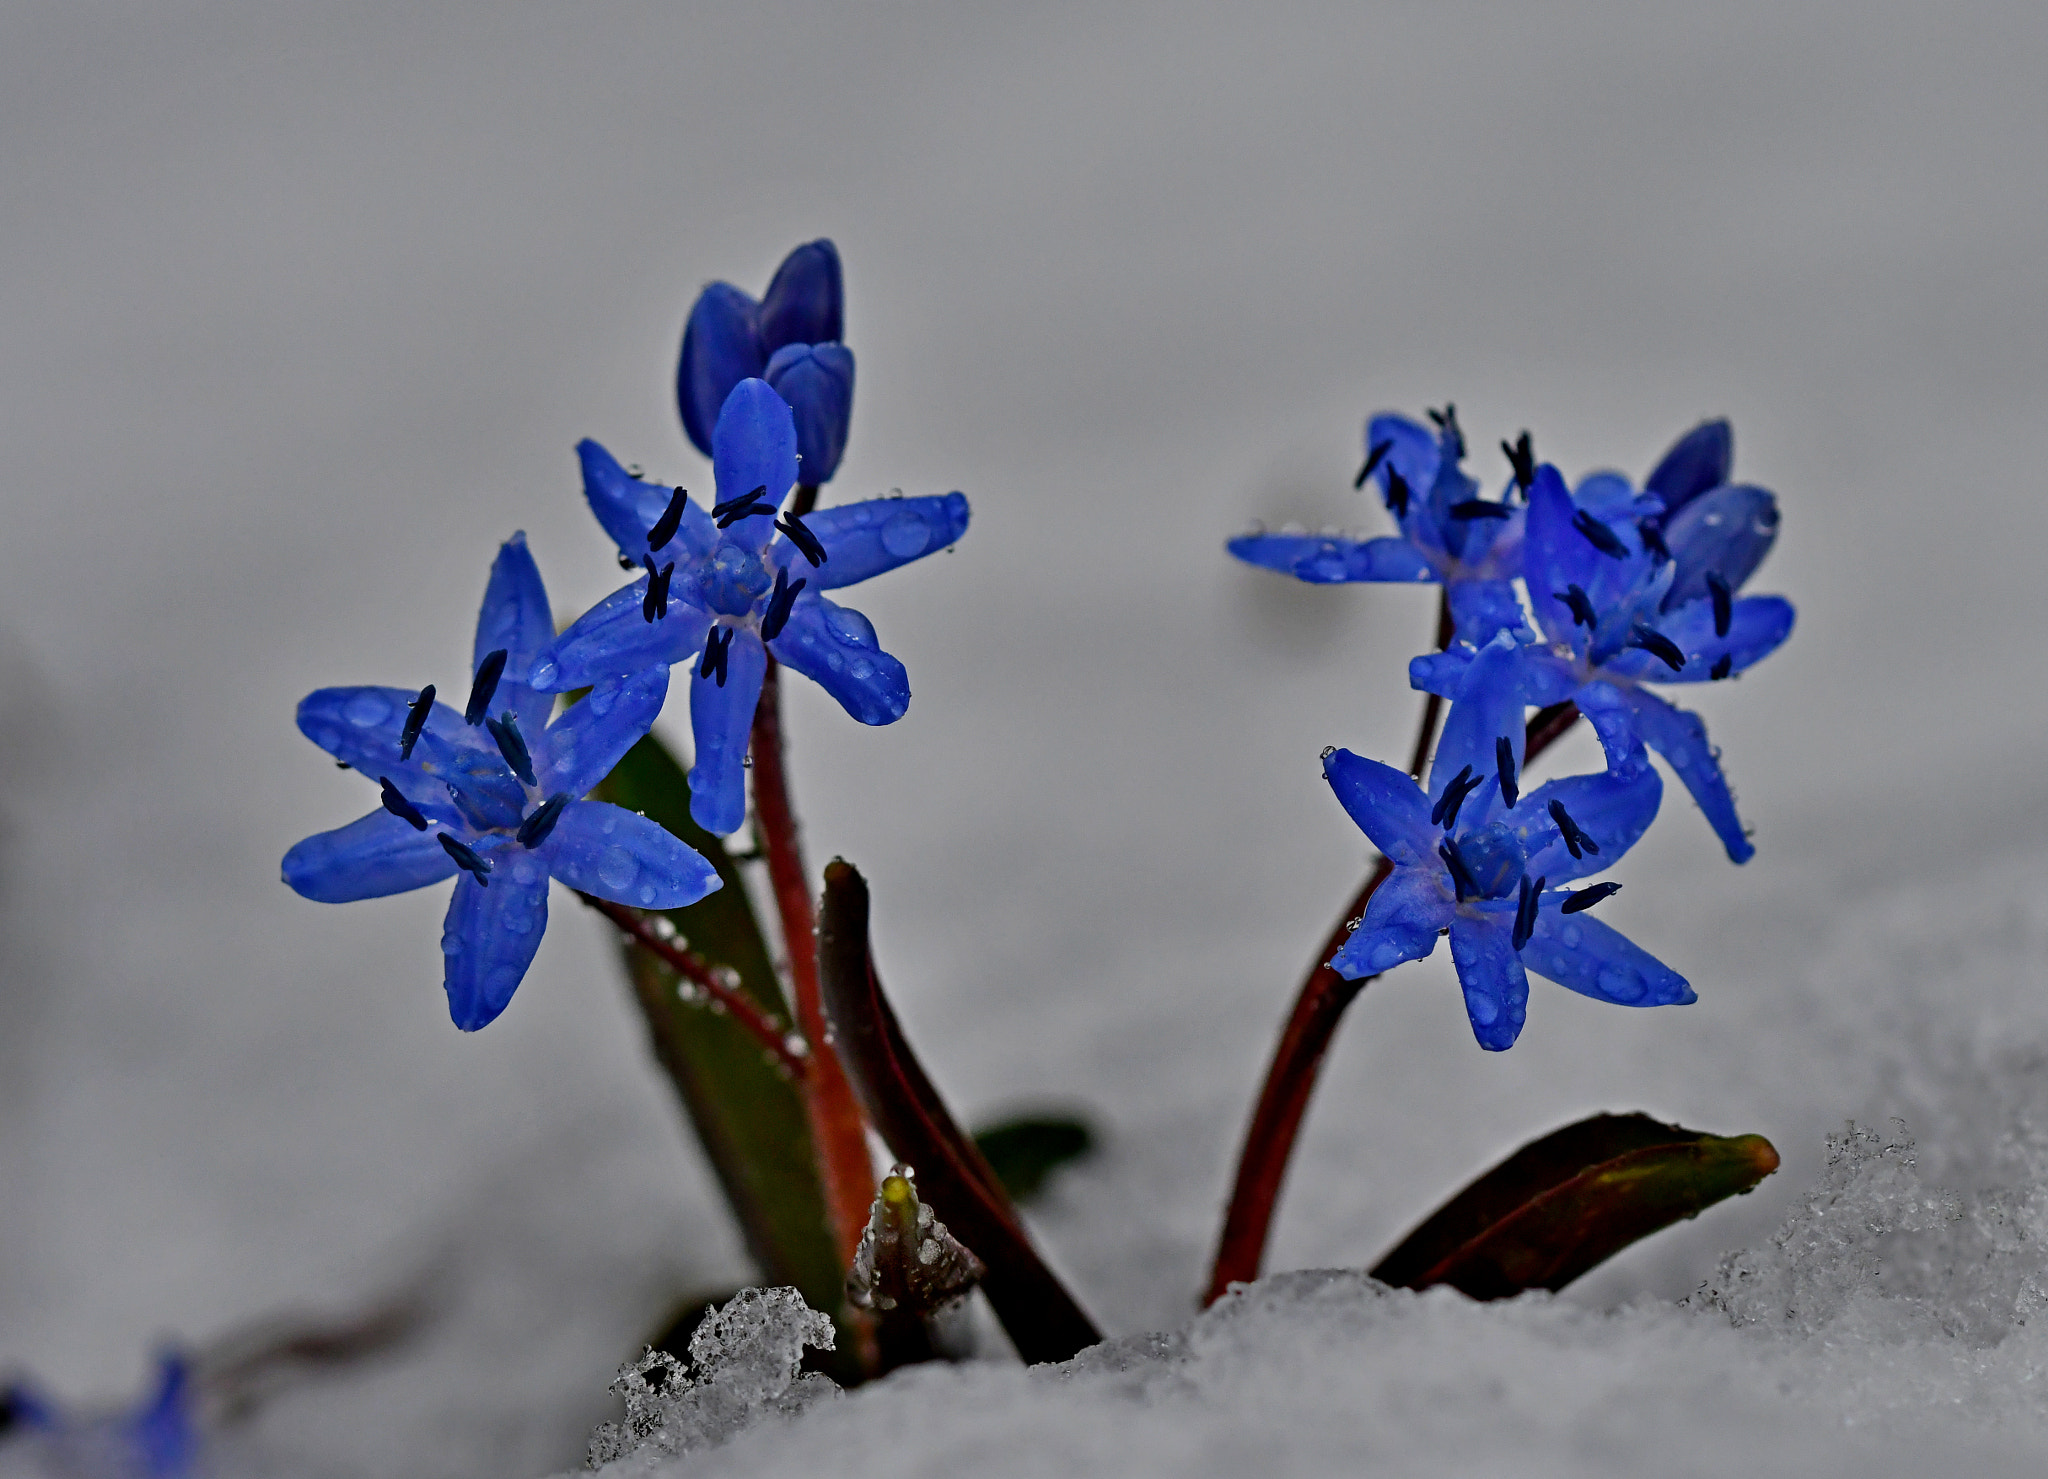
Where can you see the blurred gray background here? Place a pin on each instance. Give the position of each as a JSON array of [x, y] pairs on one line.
[[302, 310]]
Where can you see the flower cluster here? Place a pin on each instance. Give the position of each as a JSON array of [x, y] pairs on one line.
[[1619, 588], [495, 795]]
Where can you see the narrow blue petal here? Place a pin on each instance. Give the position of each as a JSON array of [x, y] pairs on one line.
[[754, 447], [1491, 976], [622, 856], [1579, 952], [1757, 627], [1681, 738], [876, 535], [721, 347], [627, 507], [1697, 461], [806, 301], [1401, 923], [817, 381], [165, 1432], [371, 857], [1487, 706], [1440, 673], [720, 719], [614, 639], [1482, 609], [1555, 556], [580, 748], [1729, 531], [1387, 805], [836, 648], [490, 936], [515, 616], [1334, 560], [1614, 808]]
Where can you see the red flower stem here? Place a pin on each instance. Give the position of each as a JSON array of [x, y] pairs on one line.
[[837, 1128], [697, 972]]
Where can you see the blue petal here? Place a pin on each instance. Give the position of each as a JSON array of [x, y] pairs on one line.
[[805, 304], [1413, 453], [817, 381], [581, 747], [515, 616], [1681, 739], [1401, 923], [1697, 461], [1334, 561], [165, 1433], [720, 720], [1555, 555], [754, 447], [1757, 627], [1614, 808], [721, 347], [1729, 532], [1579, 952], [878, 534], [836, 648], [491, 934], [628, 508], [371, 857], [614, 639], [1441, 673], [1491, 976], [619, 855], [1487, 706], [1387, 805], [362, 727], [1482, 609]]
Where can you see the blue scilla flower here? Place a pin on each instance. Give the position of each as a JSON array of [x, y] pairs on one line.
[[494, 793], [738, 581], [1449, 534], [791, 339], [1475, 856], [1630, 589], [158, 1438]]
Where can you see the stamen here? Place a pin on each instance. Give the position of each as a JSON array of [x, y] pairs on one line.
[[1576, 842], [1599, 535], [780, 605], [1461, 876], [1504, 762], [720, 510], [1586, 898], [485, 688], [671, 520], [467, 859], [1522, 455], [395, 803], [744, 507], [800, 535], [512, 745], [1372, 461], [654, 605], [1724, 602], [1480, 508], [1447, 422], [1583, 614], [1723, 666], [534, 830], [1453, 794], [1397, 493], [1525, 910], [415, 721], [1657, 645], [713, 664], [1651, 532]]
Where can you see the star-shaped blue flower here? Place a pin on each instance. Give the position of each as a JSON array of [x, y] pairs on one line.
[[494, 792], [1449, 534], [1630, 589], [791, 339], [1475, 856], [738, 581]]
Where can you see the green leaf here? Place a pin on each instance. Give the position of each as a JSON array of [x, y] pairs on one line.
[[1027, 1149], [1568, 1202]]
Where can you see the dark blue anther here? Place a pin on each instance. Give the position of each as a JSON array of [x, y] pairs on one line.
[[1724, 602], [1599, 535], [1586, 898], [1576, 842], [1651, 531], [467, 859], [1522, 455], [654, 605], [1657, 645], [1583, 614], [671, 520], [1461, 876], [1479, 508], [801, 536], [745, 506], [1525, 910], [1504, 767], [395, 803], [534, 830], [1372, 461], [1447, 422], [512, 745], [1723, 666], [1452, 798], [1397, 493], [415, 721], [716, 642], [780, 605], [485, 687]]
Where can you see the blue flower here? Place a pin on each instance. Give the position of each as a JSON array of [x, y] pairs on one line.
[[1475, 856], [494, 793], [1630, 589], [156, 1439], [790, 339], [1449, 534], [738, 581]]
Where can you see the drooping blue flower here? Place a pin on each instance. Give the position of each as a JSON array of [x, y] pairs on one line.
[[1475, 855], [158, 1438], [733, 583], [1449, 534], [791, 339], [1630, 589], [494, 792]]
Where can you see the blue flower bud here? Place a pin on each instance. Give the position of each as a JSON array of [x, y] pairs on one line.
[[1697, 462], [806, 303], [817, 381], [721, 347]]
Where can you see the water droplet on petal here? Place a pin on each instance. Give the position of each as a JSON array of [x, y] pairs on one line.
[[1482, 1009], [545, 673], [617, 867], [601, 700], [851, 627], [647, 893], [1572, 934], [367, 708], [906, 535], [860, 669], [1620, 983]]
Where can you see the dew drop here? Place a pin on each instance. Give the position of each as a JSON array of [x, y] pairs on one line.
[[601, 700], [1571, 935], [524, 870], [1483, 1009], [1618, 983], [617, 867], [906, 535], [609, 825], [835, 662], [545, 673], [860, 669], [367, 708], [646, 893], [850, 627]]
